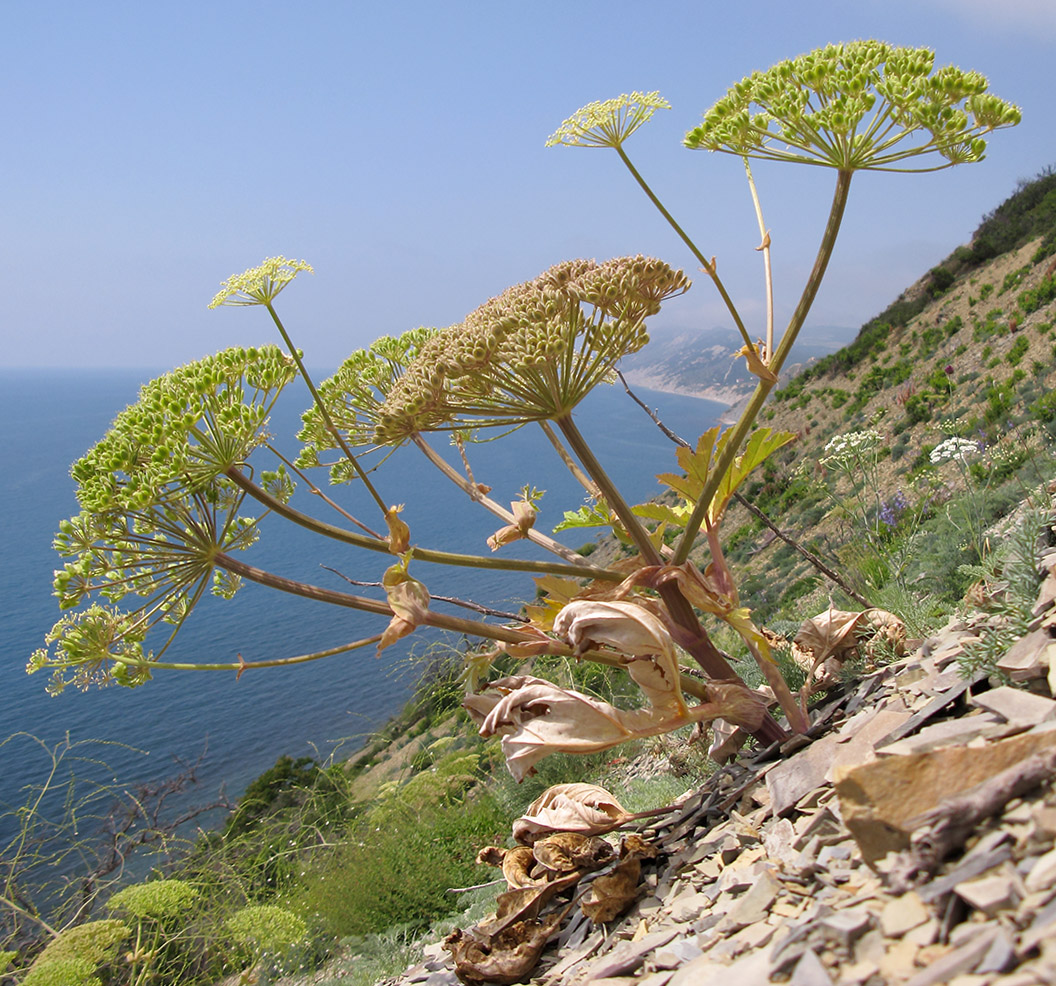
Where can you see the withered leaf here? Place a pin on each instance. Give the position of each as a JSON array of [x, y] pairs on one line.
[[505, 958], [536, 718], [639, 636], [408, 599], [524, 515], [584, 808], [610, 895], [565, 852], [523, 904], [516, 864]]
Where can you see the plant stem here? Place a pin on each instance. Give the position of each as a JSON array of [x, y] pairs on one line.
[[763, 388], [764, 245], [241, 665], [696, 640], [441, 621], [474, 493], [420, 554], [612, 496], [708, 266], [327, 420]]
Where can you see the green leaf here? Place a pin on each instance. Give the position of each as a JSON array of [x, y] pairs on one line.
[[590, 515]]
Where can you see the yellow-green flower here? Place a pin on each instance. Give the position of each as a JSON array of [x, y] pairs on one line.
[[259, 285], [865, 105], [608, 122]]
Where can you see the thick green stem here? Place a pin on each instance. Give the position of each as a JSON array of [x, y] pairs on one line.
[[755, 405], [696, 640], [708, 266], [327, 420], [419, 554], [608, 489]]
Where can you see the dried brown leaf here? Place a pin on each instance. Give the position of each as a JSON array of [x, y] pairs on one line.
[[635, 633], [505, 958], [610, 895], [536, 718], [567, 852], [584, 808]]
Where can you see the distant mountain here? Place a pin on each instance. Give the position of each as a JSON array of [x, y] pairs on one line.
[[701, 363]]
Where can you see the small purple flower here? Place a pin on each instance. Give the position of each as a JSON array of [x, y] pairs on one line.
[[948, 371], [891, 511]]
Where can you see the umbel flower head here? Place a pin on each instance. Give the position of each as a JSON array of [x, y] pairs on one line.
[[259, 285], [156, 510], [608, 122], [353, 398], [865, 105], [532, 353]]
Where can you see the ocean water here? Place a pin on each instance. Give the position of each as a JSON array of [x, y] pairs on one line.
[[49, 418]]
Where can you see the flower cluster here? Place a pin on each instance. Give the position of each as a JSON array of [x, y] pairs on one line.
[[259, 285], [353, 397], [156, 509], [608, 122], [845, 449], [156, 900], [892, 510], [865, 105], [532, 353], [960, 449]]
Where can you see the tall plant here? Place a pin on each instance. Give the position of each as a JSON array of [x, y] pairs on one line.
[[165, 494]]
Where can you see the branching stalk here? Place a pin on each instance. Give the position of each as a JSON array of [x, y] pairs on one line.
[[474, 493], [420, 554], [763, 388]]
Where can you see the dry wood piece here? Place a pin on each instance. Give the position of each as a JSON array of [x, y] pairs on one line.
[[946, 827]]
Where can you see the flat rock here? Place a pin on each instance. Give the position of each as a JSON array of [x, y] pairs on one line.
[[1017, 706], [903, 913], [1042, 874], [1028, 657], [989, 894]]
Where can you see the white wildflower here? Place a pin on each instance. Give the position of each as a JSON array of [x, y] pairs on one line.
[[953, 448]]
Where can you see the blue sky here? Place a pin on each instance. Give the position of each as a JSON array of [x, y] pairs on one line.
[[152, 149]]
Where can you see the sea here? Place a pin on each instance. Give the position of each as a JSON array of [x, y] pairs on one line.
[[236, 729]]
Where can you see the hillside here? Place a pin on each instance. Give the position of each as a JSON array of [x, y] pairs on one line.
[[969, 352]]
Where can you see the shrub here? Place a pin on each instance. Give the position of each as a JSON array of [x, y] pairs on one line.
[[1035, 298], [1018, 350]]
